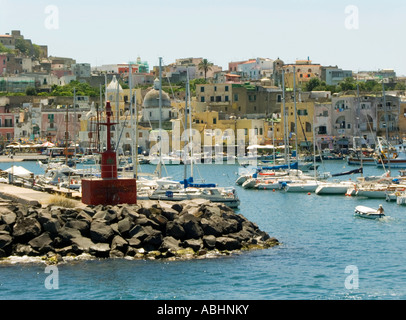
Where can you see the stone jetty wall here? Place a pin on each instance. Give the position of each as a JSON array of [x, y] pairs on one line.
[[150, 229]]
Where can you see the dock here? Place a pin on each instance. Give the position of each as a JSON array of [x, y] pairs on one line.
[[23, 157], [33, 197]]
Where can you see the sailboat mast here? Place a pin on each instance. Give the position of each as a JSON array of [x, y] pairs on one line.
[[359, 132], [134, 158], [118, 120], [190, 124], [284, 116], [294, 99], [74, 124], [185, 151], [66, 134], [160, 118]]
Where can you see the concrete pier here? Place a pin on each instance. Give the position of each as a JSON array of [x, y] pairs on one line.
[[29, 196], [23, 157]]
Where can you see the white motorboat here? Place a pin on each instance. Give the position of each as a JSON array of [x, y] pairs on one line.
[[175, 191], [378, 191], [302, 186], [337, 187], [66, 176], [369, 213]]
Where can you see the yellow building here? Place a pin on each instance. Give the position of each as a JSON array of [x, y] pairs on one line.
[[304, 121], [304, 70], [211, 131]]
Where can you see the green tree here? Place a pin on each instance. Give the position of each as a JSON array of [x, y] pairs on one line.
[[193, 84], [23, 46], [30, 91], [348, 84], [400, 86], [205, 65], [37, 51], [312, 83], [4, 49], [83, 89]]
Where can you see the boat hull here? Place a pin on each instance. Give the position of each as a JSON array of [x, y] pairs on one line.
[[301, 187], [333, 189], [391, 163], [357, 161], [374, 194], [232, 203]]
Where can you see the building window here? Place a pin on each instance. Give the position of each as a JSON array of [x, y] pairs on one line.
[[212, 99], [226, 88], [322, 130], [201, 89], [8, 123], [236, 97], [202, 99], [214, 120], [279, 99], [226, 98]]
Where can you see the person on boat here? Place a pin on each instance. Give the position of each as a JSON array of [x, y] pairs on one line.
[[380, 209]]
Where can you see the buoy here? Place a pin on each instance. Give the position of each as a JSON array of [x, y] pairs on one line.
[[308, 193], [273, 190]]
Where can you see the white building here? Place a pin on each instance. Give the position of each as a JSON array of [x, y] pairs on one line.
[[256, 69]]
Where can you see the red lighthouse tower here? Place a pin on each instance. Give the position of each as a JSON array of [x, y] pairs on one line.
[[109, 189]]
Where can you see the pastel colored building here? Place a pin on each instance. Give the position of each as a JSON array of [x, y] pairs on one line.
[[7, 122]]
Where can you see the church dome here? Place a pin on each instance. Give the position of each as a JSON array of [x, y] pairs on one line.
[[112, 87], [151, 99]]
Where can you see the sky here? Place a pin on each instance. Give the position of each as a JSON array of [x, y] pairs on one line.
[[357, 35]]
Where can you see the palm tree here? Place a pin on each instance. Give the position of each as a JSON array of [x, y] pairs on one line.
[[205, 65]]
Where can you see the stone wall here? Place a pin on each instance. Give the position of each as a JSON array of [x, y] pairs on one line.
[[150, 229]]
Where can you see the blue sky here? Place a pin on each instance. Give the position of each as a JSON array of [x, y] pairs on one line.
[[108, 32]]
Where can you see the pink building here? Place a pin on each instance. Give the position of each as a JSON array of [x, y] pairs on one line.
[[7, 122], [53, 125]]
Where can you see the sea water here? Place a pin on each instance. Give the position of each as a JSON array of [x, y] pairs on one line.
[[325, 253]]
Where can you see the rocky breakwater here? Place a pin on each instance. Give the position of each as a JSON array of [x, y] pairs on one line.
[[150, 229]]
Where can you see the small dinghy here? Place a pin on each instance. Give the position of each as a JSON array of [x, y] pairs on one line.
[[369, 213]]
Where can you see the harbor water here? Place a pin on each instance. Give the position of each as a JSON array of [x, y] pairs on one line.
[[325, 253]]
